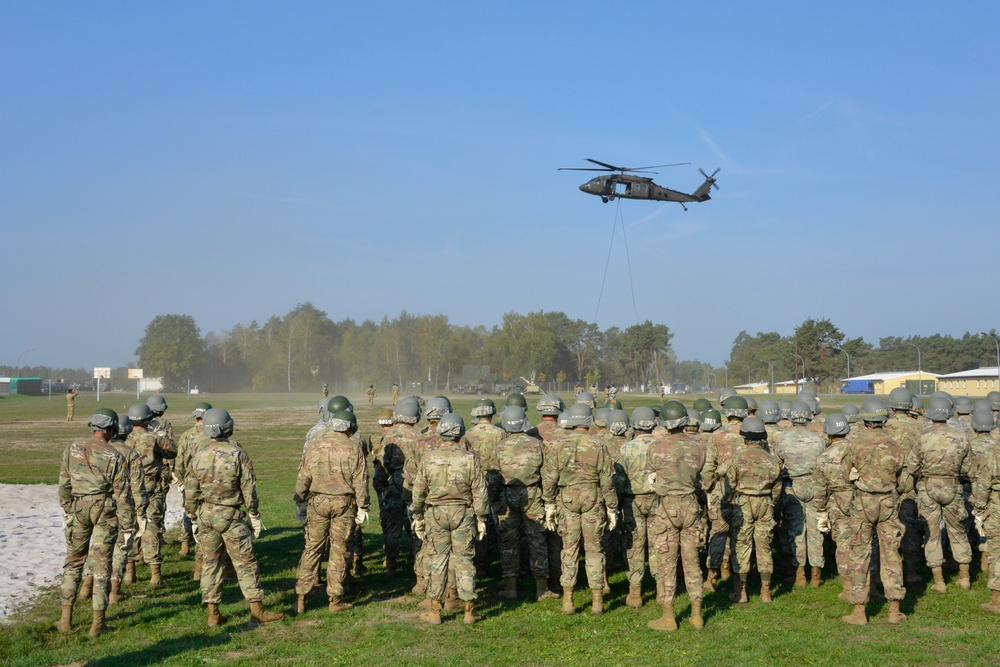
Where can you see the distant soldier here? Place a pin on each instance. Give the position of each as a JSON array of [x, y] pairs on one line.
[[188, 445], [333, 482], [577, 389], [326, 390], [219, 482], [70, 404], [550, 406], [662, 392], [95, 497], [371, 393], [395, 394], [981, 444], [593, 388], [728, 441]]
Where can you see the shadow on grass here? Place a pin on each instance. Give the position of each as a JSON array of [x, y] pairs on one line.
[[162, 650]]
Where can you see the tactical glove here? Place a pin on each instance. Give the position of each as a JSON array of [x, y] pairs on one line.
[[300, 512], [361, 516], [855, 475], [141, 523], [612, 518], [128, 537], [480, 528], [419, 527], [823, 521], [978, 517], [256, 524], [550, 518]]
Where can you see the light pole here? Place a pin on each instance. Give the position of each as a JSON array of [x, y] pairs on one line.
[[17, 369], [796, 380], [840, 349], [920, 371], [983, 333], [725, 369], [771, 391]]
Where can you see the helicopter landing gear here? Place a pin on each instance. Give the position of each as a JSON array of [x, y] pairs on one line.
[[604, 199]]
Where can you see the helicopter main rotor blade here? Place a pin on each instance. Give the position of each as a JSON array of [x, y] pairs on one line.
[[656, 166], [581, 169], [606, 165]]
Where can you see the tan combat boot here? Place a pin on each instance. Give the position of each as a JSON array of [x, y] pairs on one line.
[[542, 591], [857, 617], [185, 548], [993, 606], [895, 615], [508, 591], [607, 587], [726, 571], [696, 620], [418, 588], [432, 615], [97, 626], [65, 622], [196, 575], [634, 598], [665, 622], [470, 613], [215, 619], [984, 562], [710, 581], [116, 595], [359, 567], [817, 577], [426, 603], [300, 604], [800, 576], [963, 577], [86, 588], [154, 578], [260, 616], [845, 594], [765, 587], [739, 594], [939, 585], [567, 605], [451, 601], [129, 572], [336, 605], [597, 603]]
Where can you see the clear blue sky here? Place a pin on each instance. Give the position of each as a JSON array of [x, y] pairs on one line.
[[228, 160]]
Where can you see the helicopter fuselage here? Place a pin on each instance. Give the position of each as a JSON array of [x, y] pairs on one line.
[[626, 186]]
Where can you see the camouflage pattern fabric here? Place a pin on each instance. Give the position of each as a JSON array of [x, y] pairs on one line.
[[220, 481], [190, 442], [613, 541], [96, 498], [980, 445], [940, 456], [548, 430], [727, 442], [519, 460], [985, 498], [637, 503], [904, 429], [399, 444], [797, 450], [70, 405], [753, 476], [154, 450], [834, 492]]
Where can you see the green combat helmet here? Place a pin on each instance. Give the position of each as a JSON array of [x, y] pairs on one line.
[[437, 407], [157, 404], [140, 414], [618, 422], [725, 395], [768, 411], [943, 394], [579, 416], [200, 409], [216, 423], [918, 406], [785, 409], [516, 398], [125, 426], [513, 419], [614, 404], [484, 407], [550, 405], [751, 404], [939, 408], [711, 420], [343, 421], [601, 417], [702, 404], [644, 419], [673, 415], [982, 421], [104, 419], [338, 403], [808, 391], [963, 405], [800, 412], [994, 398], [736, 406], [586, 398], [874, 411], [836, 424], [752, 429], [407, 411], [851, 412], [982, 404], [451, 426], [900, 398]]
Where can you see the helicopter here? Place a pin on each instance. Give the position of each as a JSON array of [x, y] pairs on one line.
[[621, 183]]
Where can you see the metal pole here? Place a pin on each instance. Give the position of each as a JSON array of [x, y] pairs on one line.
[[772, 374], [983, 333], [920, 371], [17, 369]]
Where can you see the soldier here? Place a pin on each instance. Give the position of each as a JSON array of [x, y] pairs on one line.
[[218, 483], [578, 472], [727, 441], [399, 445], [785, 415], [371, 393], [333, 482], [939, 457], [519, 460], [878, 475], [985, 500], [770, 415], [754, 478], [190, 442], [677, 462], [614, 437], [833, 495], [155, 450], [164, 430], [483, 437], [395, 394], [963, 411], [437, 407], [95, 497], [550, 406], [380, 478], [982, 442], [850, 412], [903, 427], [587, 398], [662, 392], [70, 404], [577, 389], [326, 390], [637, 501], [797, 450], [449, 511]]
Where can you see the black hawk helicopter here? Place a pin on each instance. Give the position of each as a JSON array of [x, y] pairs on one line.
[[621, 183]]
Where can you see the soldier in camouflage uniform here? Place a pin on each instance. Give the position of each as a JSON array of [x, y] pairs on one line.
[[399, 444], [939, 457], [155, 450], [380, 478], [878, 475], [218, 483], [903, 427], [617, 434], [981, 444], [449, 512], [550, 406], [436, 408], [754, 477], [70, 404], [797, 450], [190, 442], [577, 474], [96, 499], [770, 414], [727, 442], [395, 394], [985, 500], [483, 438], [784, 415], [637, 501], [834, 491], [371, 393], [164, 430], [519, 460], [677, 463], [333, 482]]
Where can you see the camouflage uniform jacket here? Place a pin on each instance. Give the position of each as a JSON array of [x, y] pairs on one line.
[[190, 442], [940, 451], [333, 465], [727, 442], [754, 472], [399, 445], [577, 458], [450, 474], [519, 458], [633, 460], [221, 474], [831, 474], [153, 449], [164, 429], [986, 487], [137, 481], [797, 449], [878, 462], [547, 431], [93, 467], [677, 462], [980, 445], [902, 428], [483, 439]]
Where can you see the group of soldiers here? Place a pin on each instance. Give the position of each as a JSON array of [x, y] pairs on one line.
[[704, 487]]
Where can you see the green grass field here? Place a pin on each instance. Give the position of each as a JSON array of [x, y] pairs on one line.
[[801, 626]]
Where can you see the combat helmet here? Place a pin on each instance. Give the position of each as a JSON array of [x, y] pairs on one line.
[[436, 408], [785, 409], [711, 420], [994, 398], [753, 429], [851, 412], [140, 414], [874, 411], [104, 419], [900, 398], [407, 411], [768, 411], [343, 421], [751, 403], [800, 412], [836, 424], [484, 407], [982, 404], [200, 409], [643, 419], [385, 417], [618, 422], [550, 405], [702, 404], [963, 405], [725, 395], [918, 406], [939, 408], [736, 406], [982, 421], [124, 426], [451, 426], [579, 415], [157, 404], [338, 403], [516, 398], [513, 419], [216, 423], [586, 398], [614, 404], [601, 417], [673, 415]]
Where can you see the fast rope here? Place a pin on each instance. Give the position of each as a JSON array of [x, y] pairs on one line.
[[628, 260]]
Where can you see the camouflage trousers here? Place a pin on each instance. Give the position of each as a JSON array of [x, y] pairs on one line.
[[223, 528], [187, 534], [913, 527], [720, 514], [753, 529], [800, 537], [583, 518], [93, 529], [152, 540], [940, 503], [978, 541], [991, 527], [449, 550], [675, 529], [878, 513], [396, 522], [329, 521], [119, 559], [523, 522], [839, 509], [637, 536]]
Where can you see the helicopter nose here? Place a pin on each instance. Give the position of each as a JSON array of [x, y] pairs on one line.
[[586, 187]]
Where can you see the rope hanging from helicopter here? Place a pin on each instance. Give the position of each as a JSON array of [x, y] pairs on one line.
[[614, 226]]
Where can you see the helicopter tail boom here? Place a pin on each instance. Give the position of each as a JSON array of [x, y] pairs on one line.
[[703, 193]]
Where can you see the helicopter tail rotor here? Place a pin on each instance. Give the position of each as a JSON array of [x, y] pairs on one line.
[[710, 179]]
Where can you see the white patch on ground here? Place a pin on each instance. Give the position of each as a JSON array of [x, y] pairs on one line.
[[32, 542]]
